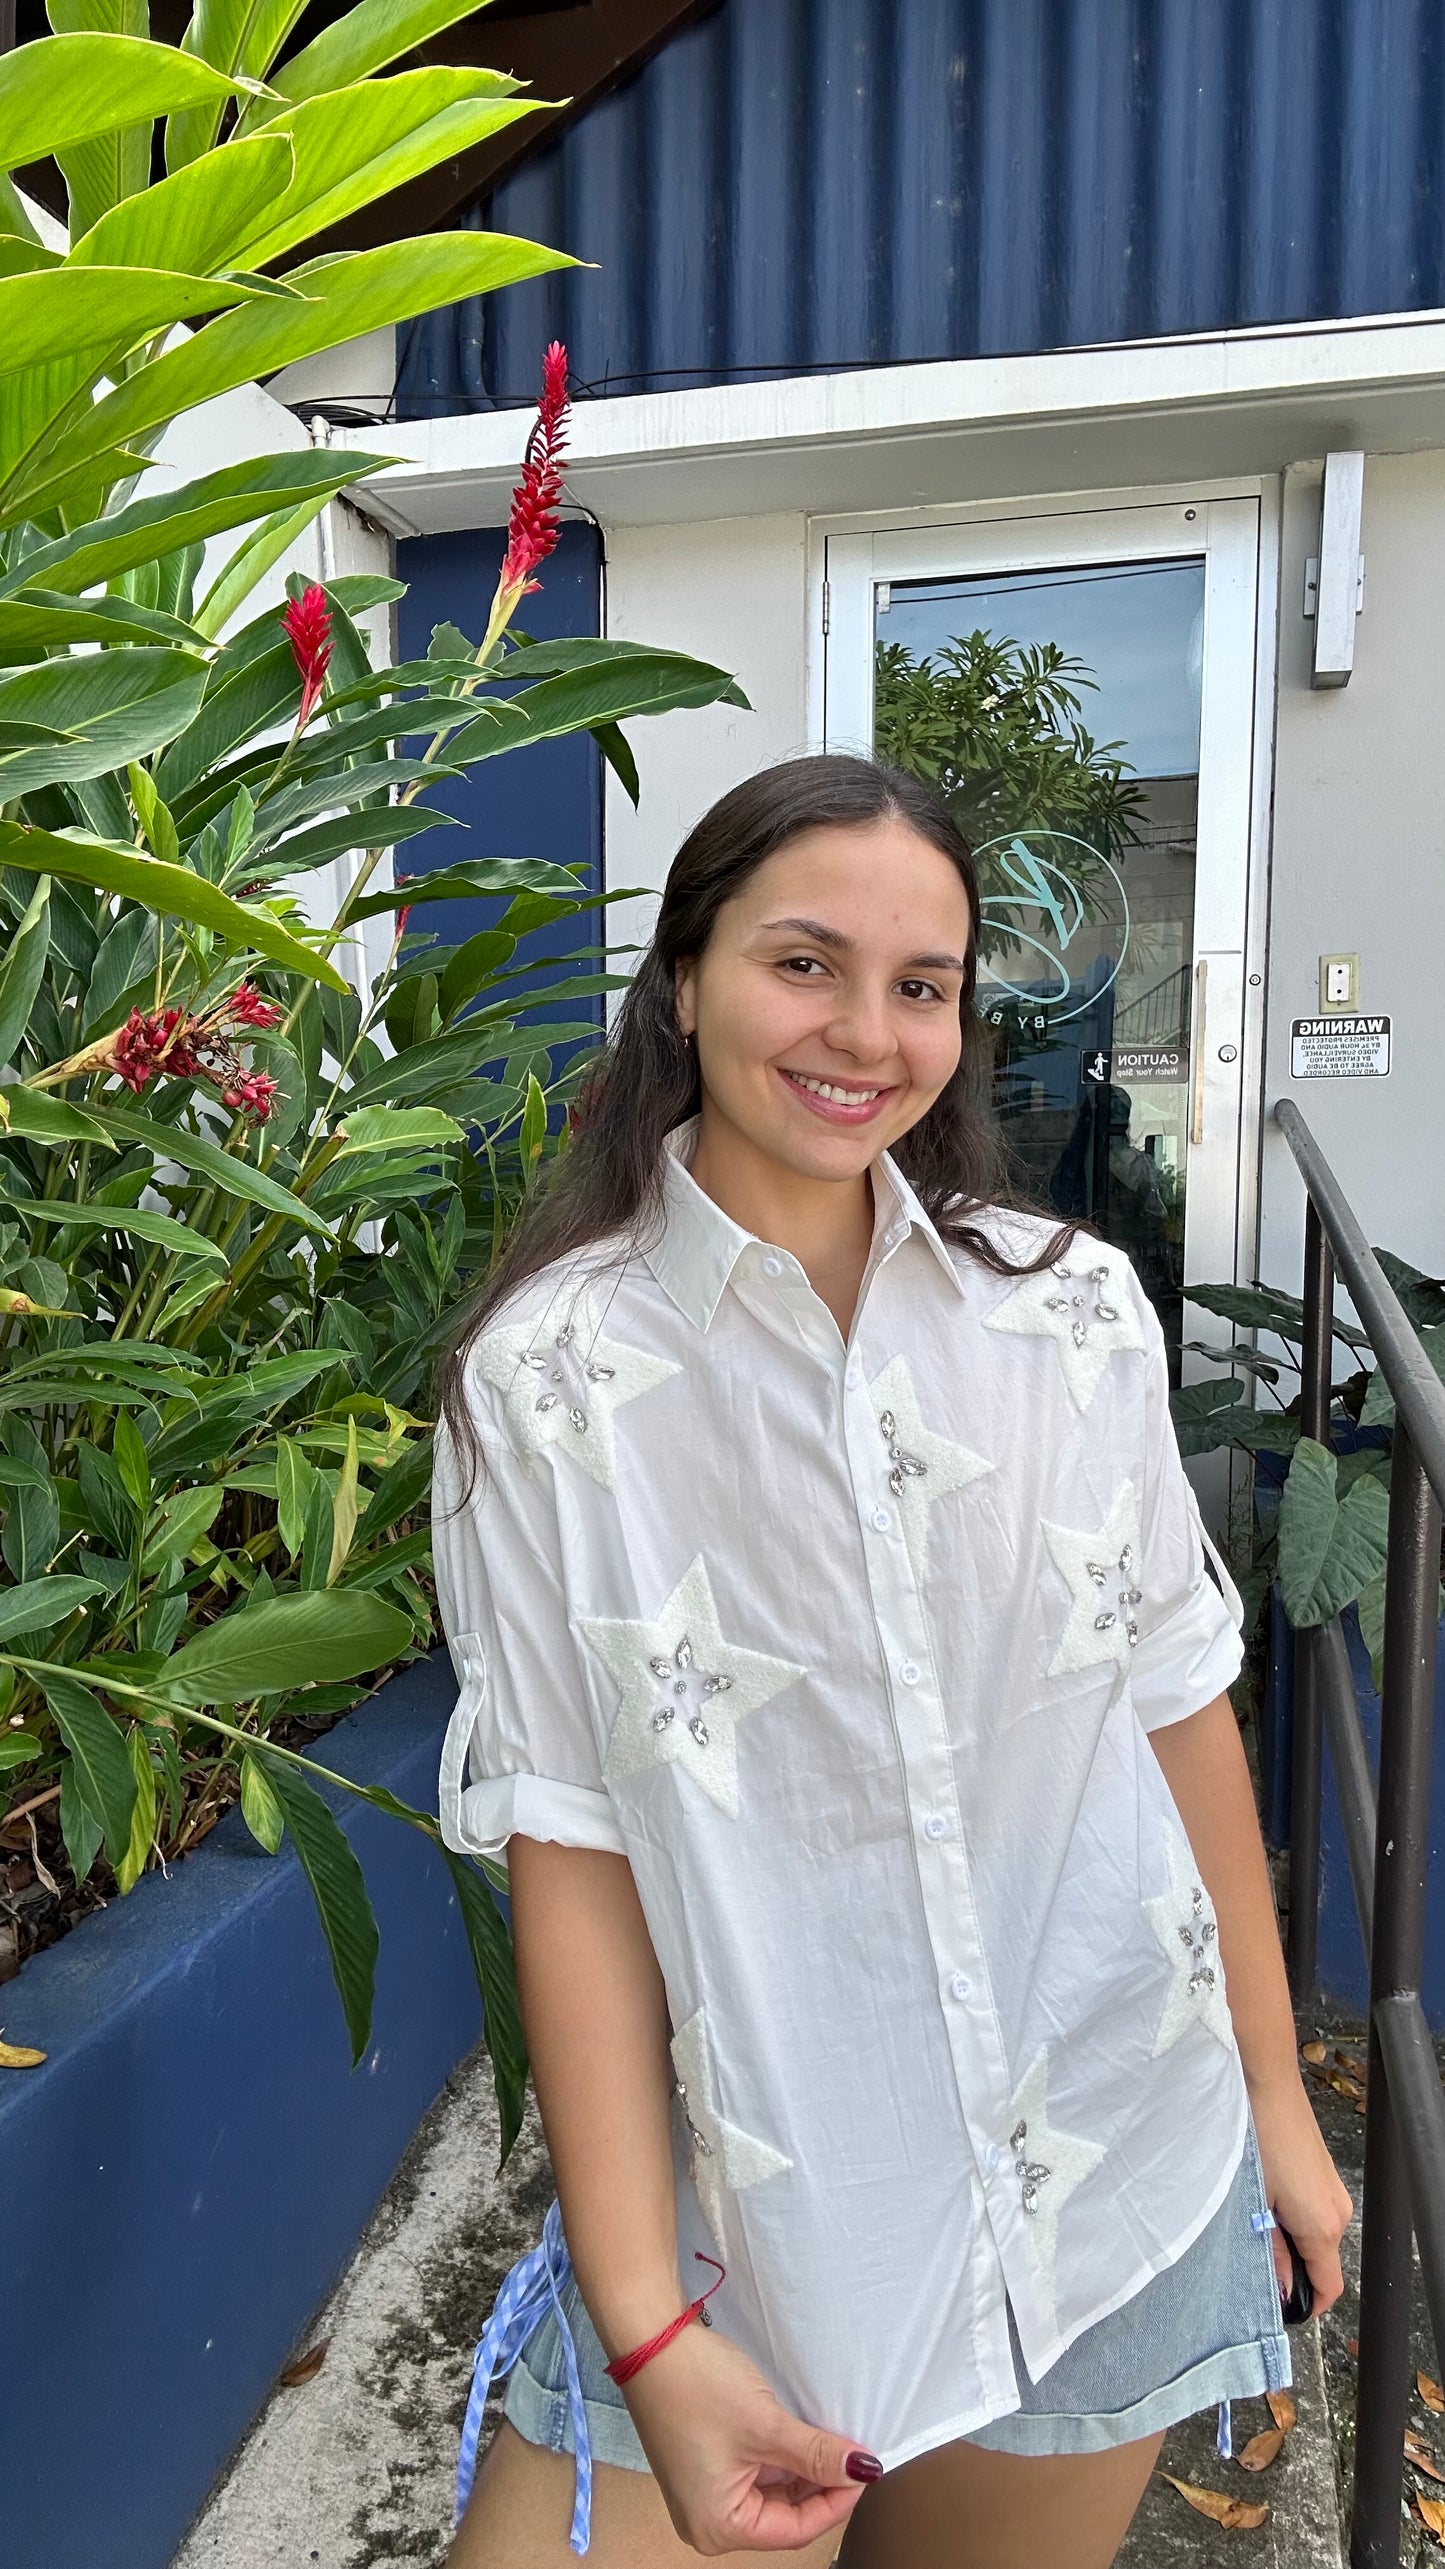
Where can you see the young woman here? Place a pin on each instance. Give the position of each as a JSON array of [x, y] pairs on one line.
[[842, 1675]]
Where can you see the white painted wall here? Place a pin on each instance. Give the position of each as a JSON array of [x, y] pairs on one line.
[[731, 591], [1359, 866]]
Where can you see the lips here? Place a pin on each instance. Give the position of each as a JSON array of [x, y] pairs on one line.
[[835, 1101]]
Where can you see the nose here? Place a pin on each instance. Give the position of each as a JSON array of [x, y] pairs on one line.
[[861, 1025]]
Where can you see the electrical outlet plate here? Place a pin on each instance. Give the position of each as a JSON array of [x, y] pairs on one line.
[[1339, 984]]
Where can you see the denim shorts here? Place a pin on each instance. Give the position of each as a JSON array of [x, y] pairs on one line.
[[1204, 2332]]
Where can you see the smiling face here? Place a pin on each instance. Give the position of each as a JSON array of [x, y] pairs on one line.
[[826, 1002]]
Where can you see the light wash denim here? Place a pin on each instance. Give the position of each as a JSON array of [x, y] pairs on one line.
[[1205, 2331]]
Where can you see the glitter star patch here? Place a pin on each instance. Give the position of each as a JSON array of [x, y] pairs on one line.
[[919, 1467], [564, 1382], [1048, 2164], [1085, 1303], [1182, 1918], [724, 2158], [1102, 1571], [683, 1689]]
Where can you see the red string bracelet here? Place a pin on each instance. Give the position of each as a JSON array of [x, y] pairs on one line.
[[623, 2367]]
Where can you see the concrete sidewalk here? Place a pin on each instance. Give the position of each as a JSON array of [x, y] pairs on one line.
[[354, 2468]]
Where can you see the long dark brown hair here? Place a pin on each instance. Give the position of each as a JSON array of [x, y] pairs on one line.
[[609, 1180]]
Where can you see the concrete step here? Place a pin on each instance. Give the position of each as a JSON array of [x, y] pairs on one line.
[[354, 2468]]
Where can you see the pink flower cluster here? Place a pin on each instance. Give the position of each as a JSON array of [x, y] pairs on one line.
[[197, 1048], [532, 528], [307, 627]]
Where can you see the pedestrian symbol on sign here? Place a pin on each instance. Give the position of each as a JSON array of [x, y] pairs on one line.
[[1097, 1067]]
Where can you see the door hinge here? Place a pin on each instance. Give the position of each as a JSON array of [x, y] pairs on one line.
[[827, 606]]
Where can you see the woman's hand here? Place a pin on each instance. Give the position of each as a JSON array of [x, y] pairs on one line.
[[737, 2472], [1302, 2186]]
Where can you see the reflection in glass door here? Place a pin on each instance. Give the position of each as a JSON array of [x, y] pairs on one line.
[[1062, 707], [1088, 908]]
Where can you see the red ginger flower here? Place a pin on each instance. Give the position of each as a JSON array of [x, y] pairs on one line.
[[254, 1092], [146, 1045], [247, 1007], [307, 626], [532, 528]]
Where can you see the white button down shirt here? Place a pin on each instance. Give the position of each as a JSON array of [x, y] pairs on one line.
[[852, 1652]]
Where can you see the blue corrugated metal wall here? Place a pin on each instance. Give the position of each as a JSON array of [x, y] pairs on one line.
[[800, 184]]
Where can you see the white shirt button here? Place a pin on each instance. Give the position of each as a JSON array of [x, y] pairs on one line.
[[772, 1266], [881, 1520], [992, 2157], [960, 1985], [910, 1672], [935, 1826]]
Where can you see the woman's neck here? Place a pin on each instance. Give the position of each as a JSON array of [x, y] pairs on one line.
[[825, 1223]]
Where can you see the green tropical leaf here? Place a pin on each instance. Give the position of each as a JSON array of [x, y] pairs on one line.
[[260, 1809], [116, 164], [364, 40], [1262, 1307], [89, 555], [108, 707], [22, 968], [54, 315], [18, 1748], [81, 1833], [385, 826], [490, 1947], [170, 889], [338, 1888], [637, 682], [237, 36], [251, 561], [132, 1462], [184, 1519], [391, 1128], [225, 1169], [286, 1643], [64, 89], [357, 144], [534, 1122], [133, 1221], [35, 621], [102, 1769], [143, 1817], [1329, 1548], [193, 222], [347, 296], [295, 1482], [476, 877], [37, 1605]]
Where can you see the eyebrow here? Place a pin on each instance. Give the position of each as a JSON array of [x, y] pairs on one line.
[[826, 936]]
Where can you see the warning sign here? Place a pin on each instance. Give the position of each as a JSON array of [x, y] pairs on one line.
[[1151, 1061], [1339, 1048]]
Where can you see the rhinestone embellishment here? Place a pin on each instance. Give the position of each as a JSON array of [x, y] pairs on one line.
[[686, 1683], [1076, 1302], [1196, 1935], [1030, 2173], [701, 2145], [566, 1375], [903, 1466], [1129, 1596]]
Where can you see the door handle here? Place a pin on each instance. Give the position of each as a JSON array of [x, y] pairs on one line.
[[1201, 994]]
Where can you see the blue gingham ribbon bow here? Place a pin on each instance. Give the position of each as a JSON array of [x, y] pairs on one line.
[[532, 2289]]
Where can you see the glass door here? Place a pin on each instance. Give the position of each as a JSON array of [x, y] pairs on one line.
[[1081, 689]]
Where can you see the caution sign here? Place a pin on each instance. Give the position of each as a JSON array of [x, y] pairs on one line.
[[1339, 1048], [1164, 1062]]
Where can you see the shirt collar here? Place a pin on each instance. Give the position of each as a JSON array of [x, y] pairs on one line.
[[699, 1245]]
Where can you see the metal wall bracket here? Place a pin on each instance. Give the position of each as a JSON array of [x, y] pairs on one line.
[[1336, 594]]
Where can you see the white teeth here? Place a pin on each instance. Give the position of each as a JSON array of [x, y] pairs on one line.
[[841, 1096]]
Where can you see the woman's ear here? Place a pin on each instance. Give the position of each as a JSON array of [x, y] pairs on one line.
[[685, 988]]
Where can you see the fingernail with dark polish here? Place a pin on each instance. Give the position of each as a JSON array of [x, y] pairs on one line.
[[863, 2466]]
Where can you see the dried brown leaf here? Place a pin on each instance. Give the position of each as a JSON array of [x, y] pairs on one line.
[[19, 2056], [1313, 2052], [1431, 2512], [1262, 2449], [1282, 2409], [1352, 2062], [1431, 2393], [1237, 2515], [1349, 2088], [1352, 2346], [306, 2367], [1418, 2452]]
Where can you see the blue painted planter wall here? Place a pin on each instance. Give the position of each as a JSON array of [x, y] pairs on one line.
[[187, 2176], [1344, 1978]]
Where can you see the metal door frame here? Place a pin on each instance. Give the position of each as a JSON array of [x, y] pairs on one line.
[[1233, 529]]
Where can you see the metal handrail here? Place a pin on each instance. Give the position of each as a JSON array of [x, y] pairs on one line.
[[1386, 1833]]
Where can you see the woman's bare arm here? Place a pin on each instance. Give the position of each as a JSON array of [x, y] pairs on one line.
[[596, 2023], [1204, 1766], [737, 2472]]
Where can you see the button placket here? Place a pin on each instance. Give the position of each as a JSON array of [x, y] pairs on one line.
[[950, 1917]]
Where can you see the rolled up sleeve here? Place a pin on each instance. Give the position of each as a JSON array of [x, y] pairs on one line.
[[1190, 1629], [520, 1758]]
